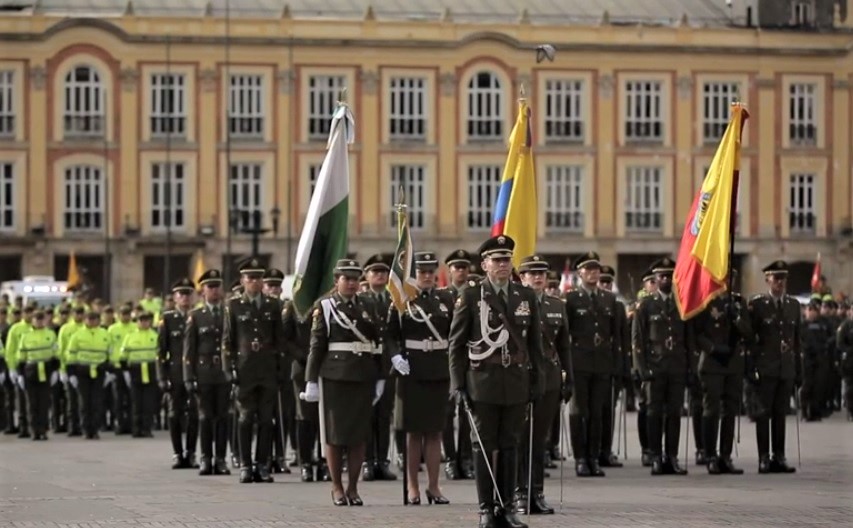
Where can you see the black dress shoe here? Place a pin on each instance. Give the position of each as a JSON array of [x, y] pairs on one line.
[[190, 461], [594, 469], [520, 501], [323, 473], [307, 473], [177, 461], [368, 473], [220, 467], [205, 468], [487, 519], [263, 474], [95, 436], [675, 467], [658, 467], [701, 459], [382, 471], [780, 465], [764, 464], [451, 471], [467, 468], [511, 520], [582, 468], [727, 467], [714, 466], [539, 506], [246, 476], [646, 459], [609, 460], [235, 462]]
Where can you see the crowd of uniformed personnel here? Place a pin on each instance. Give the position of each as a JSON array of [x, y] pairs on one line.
[[339, 382]]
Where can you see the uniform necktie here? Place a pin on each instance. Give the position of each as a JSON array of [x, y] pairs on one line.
[[502, 297], [216, 312]]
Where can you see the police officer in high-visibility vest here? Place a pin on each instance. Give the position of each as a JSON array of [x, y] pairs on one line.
[[13, 340], [38, 370], [138, 359], [66, 332], [118, 331], [88, 366]]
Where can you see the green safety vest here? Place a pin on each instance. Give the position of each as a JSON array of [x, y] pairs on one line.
[[140, 348], [65, 334], [13, 341], [89, 347], [118, 332], [38, 346]]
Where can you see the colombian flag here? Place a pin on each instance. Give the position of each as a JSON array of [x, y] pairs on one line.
[[516, 212], [702, 267]]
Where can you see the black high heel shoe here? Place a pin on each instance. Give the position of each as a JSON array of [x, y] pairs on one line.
[[355, 501], [436, 499], [415, 501], [342, 501]]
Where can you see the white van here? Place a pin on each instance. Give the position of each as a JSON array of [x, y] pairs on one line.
[[42, 289]]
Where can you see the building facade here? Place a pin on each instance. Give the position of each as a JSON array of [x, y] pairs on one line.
[[136, 136]]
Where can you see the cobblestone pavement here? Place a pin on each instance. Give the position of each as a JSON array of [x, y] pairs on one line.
[[119, 481]]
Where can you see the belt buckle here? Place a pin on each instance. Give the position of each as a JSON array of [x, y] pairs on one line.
[[597, 340], [256, 345], [506, 359], [428, 345], [784, 347], [668, 343]]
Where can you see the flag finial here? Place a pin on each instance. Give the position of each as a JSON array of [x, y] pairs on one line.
[[401, 202], [522, 92], [342, 97]]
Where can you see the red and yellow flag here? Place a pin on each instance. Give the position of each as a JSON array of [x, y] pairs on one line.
[[702, 267]]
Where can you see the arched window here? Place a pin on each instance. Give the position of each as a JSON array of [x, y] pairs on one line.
[[84, 103], [485, 107]]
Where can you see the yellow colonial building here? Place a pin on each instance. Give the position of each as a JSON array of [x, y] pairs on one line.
[[130, 132]]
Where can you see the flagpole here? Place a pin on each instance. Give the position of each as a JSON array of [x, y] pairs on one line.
[[342, 101], [168, 194]]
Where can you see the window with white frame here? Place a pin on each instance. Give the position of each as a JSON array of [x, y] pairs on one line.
[[485, 107], [168, 196], [738, 215], [168, 105], [563, 110], [246, 191], [644, 199], [85, 101], [802, 127], [7, 112], [483, 184], [802, 13], [246, 106], [408, 108], [801, 204], [7, 196], [564, 198], [324, 92], [84, 198], [411, 179], [644, 111], [717, 98]]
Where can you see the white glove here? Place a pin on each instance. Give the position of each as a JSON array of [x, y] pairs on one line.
[[22, 383], [311, 394], [126, 376], [54, 378], [13, 377], [109, 378], [72, 379], [63, 377], [401, 364], [380, 388], [2, 377]]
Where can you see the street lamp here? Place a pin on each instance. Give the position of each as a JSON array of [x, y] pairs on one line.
[[255, 227]]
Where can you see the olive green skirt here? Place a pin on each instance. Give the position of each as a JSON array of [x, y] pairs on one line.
[[347, 410], [420, 406]]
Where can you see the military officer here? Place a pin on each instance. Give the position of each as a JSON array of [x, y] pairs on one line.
[[457, 440], [830, 378], [253, 356], [346, 358], [774, 363], [137, 356], [553, 287], [417, 343], [38, 370], [650, 286], [171, 376], [495, 365], [844, 345], [594, 327], [203, 374], [88, 360], [283, 415], [554, 328], [661, 346], [817, 334], [720, 331], [621, 374]]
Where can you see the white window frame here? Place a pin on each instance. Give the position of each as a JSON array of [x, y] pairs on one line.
[[717, 98], [246, 106], [246, 191], [7, 102], [803, 113], [485, 120], [644, 111], [564, 115], [7, 196], [84, 199], [168, 119], [484, 181], [564, 198], [802, 200], [324, 92], [85, 102], [644, 197], [407, 116], [412, 177], [162, 192]]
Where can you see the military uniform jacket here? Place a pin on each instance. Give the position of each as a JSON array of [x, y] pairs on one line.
[[171, 346], [411, 336], [776, 347], [203, 346], [660, 340], [623, 365], [455, 291], [253, 340], [718, 338], [512, 372], [297, 340], [595, 331], [818, 342], [555, 343], [342, 352], [844, 346]]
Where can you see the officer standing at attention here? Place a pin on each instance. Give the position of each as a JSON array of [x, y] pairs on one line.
[[650, 286], [38, 370], [253, 355], [844, 346], [272, 279], [661, 345], [118, 331], [138, 360], [774, 363], [818, 332], [88, 360], [172, 326], [495, 368], [621, 379], [203, 374], [593, 316]]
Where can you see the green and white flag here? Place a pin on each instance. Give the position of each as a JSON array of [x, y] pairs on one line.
[[324, 237]]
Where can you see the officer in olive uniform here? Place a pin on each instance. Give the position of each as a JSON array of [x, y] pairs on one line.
[[253, 356], [844, 345], [720, 331], [203, 374], [774, 363], [556, 367], [661, 343], [171, 351], [457, 442], [377, 465], [650, 286], [830, 378], [283, 415], [495, 368], [594, 327], [621, 374], [818, 335]]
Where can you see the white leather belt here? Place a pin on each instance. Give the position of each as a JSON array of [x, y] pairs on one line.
[[355, 347], [427, 345]]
